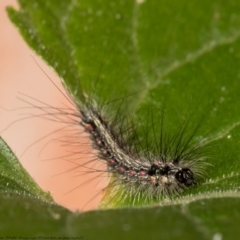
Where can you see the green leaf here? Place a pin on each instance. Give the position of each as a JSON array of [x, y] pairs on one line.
[[183, 52], [202, 219], [32, 218], [15, 179]]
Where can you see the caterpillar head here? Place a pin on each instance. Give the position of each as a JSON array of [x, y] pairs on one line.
[[185, 176]]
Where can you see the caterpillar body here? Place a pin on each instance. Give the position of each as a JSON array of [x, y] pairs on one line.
[[141, 177]]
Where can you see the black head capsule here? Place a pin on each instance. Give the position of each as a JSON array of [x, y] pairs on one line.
[[185, 176]]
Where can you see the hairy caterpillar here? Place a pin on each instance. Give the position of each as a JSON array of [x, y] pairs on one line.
[[139, 175]]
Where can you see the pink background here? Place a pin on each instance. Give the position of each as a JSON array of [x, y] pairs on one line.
[[20, 74]]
